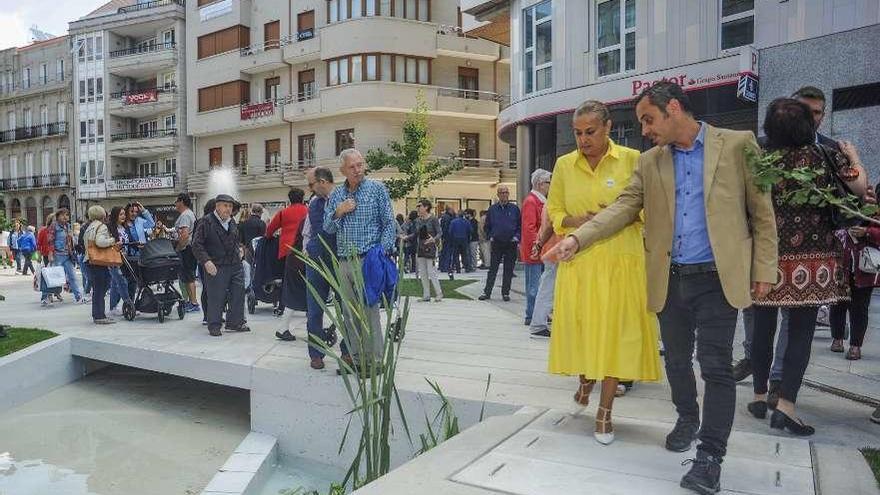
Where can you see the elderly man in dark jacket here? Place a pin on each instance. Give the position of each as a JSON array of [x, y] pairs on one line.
[[216, 248]]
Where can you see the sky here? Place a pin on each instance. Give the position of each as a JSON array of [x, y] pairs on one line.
[[52, 16]]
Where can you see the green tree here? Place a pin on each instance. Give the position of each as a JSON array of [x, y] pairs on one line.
[[411, 157]]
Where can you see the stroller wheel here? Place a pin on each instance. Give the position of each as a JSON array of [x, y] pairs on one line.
[[161, 314], [128, 311], [278, 311], [180, 310]]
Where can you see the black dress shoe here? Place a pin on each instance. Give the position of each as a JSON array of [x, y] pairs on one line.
[[505, 298], [781, 421], [682, 437], [215, 332], [704, 476], [483, 297], [241, 328], [285, 336], [742, 369], [758, 409]]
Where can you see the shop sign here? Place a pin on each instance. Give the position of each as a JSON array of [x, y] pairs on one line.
[[141, 183], [149, 96], [257, 110], [747, 88]]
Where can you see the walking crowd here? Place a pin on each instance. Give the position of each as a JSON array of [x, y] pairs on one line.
[[622, 250]]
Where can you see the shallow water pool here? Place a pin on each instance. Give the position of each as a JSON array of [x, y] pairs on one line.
[[290, 473], [121, 431]]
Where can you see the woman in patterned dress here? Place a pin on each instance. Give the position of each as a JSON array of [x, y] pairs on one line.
[[811, 269]]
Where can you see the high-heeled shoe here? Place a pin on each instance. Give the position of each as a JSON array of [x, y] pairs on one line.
[[582, 396], [604, 437], [758, 409], [781, 421]]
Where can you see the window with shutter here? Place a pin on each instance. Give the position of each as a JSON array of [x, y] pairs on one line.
[[273, 155], [272, 35], [215, 157]]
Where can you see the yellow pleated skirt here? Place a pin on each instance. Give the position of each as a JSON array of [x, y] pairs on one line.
[[601, 325]]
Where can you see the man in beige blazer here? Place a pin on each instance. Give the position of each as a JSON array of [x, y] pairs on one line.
[[710, 247]]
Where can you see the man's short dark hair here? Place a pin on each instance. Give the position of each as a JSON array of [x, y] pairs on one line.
[[296, 195], [323, 173], [810, 92], [661, 93], [185, 199], [789, 124]]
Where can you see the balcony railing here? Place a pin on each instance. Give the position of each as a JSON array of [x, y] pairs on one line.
[[35, 182], [469, 94], [140, 50], [152, 134], [453, 31], [143, 95], [149, 5], [33, 132], [264, 46], [34, 84]]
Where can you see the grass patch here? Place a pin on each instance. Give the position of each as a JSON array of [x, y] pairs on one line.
[[413, 288], [19, 338], [873, 458]]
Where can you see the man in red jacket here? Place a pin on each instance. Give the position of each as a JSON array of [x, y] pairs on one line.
[[531, 223]]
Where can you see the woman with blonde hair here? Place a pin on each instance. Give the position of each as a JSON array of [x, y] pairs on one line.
[[602, 330], [98, 234]]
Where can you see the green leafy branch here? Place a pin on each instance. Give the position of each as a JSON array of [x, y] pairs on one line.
[[767, 173]]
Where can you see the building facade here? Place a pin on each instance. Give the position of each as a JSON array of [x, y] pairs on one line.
[[566, 51], [35, 104], [129, 64], [280, 85]]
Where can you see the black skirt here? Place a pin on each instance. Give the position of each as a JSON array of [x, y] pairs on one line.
[[293, 288]]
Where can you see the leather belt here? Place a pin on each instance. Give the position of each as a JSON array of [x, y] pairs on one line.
[[694, 269]]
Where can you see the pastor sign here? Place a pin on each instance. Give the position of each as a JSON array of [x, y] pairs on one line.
[[148, 96], [257, 110]]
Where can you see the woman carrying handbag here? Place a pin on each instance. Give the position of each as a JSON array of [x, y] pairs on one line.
[[427, 234], [101, 253]]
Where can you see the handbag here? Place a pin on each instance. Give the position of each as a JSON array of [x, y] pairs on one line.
[[841, 190], [108, 256], [869, 260], [53, 276]]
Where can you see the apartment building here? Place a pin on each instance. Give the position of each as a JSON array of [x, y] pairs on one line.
[[35, 103], [566, 51], [280, 85], [129, 64]]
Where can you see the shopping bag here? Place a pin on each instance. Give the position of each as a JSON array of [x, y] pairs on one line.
[[53, 276]]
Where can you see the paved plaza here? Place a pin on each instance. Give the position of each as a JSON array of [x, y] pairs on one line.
[[458, 343]]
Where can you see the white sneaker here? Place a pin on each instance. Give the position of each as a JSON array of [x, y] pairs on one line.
[[117, 311], [438, 299]]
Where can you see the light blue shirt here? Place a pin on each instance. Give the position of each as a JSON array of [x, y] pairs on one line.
[[372, 221], [690, 241], [225, 224]]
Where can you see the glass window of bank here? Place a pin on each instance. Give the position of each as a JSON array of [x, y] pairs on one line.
[[538, 47], [615, 36], [737, 23]]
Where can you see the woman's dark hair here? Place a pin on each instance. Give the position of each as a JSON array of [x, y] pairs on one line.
[[413, 215], [399, 218], [112, 221], [426, 204], [788, 124], [209, 206], [296, 195], [185, 199]]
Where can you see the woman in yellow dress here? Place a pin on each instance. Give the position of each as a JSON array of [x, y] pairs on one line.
[[602, 330]]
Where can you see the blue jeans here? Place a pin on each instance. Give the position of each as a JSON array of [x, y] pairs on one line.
[[533, 281], [66, 261], [781, 341], [84, 270], [315, 310], [544, 299], [118, 287]]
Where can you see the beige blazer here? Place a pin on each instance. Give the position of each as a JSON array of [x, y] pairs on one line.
[[740, 218]]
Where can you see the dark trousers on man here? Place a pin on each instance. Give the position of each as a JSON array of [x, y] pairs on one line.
[[229, 278], [315, 311], [461, 257], [697, 312], [502, 251]]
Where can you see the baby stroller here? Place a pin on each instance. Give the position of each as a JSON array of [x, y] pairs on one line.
[[156, 271], [267, 275]]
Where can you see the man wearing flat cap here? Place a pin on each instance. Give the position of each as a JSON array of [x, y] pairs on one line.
[[216, 248]]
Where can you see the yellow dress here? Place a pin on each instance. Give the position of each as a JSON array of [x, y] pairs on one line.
[[601, 325]]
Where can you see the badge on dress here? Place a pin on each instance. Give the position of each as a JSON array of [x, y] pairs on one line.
[[609, 183]]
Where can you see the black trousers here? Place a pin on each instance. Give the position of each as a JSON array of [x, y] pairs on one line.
[[461, 256], [858, 316], [696, 311], [229, 278], [100, 277], [801, 326], [502, 251]]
